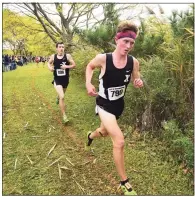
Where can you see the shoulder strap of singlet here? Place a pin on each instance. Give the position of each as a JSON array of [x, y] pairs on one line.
[[109, 62], [65, 58], [55, 56], [130, 62]]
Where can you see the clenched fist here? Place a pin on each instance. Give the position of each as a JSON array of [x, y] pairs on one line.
[[91, 90], [138, 83]]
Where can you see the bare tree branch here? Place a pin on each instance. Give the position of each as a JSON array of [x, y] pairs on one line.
[[72, 6], [150, 11], [73, 13], [29, 8], [83, 14], [48, 19], [43, 24], [63, 19], [19, 6], [51, 13]]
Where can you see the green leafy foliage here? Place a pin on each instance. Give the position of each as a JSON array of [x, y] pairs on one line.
[[159, 91], [183, 149], [102, 35], [153, 33], [82, 57], [182, 20], [25, 35], [180, 146]]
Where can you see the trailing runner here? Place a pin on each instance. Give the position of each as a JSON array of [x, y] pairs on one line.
[[60, 64]]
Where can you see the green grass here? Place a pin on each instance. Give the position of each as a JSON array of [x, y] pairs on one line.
[[32, 126]]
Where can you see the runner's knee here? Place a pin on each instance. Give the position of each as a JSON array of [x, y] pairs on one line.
[[61, 97], [119, 142]]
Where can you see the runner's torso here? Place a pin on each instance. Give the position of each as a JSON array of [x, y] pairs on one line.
[[113, 84], [58, 72]]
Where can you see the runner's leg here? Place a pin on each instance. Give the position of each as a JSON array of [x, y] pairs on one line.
[[99, 132], [60, 92], [110, 123]]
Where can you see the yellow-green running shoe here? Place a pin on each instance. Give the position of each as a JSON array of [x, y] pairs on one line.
[[65, 119], [57, 100], [127, 190]]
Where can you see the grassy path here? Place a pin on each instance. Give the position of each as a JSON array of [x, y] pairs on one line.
[[32, 127]]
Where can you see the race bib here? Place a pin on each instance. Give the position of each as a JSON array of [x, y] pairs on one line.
[[60, 72], [115, 93]]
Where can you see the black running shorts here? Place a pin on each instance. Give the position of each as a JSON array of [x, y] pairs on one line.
[[114, 107], [63, 82]]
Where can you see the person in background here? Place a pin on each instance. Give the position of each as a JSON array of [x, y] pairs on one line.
[[60, 64]]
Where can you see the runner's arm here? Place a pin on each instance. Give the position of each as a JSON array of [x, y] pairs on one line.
[[97, 62], [72, 63], [137, 82], [50, 63]]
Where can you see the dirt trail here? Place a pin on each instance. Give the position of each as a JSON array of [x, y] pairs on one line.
[[68, 130]]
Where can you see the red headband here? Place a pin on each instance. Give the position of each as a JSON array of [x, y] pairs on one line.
[[129, 34]]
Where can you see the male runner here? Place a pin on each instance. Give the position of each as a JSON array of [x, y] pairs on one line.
[[117, 69], [60, 64]]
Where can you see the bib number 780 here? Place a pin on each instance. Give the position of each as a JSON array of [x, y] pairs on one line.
[[115, 93]]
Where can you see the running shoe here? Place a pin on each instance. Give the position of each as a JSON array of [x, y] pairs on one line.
[[65, 119], [89, 141], [127, 190], [57, 100]]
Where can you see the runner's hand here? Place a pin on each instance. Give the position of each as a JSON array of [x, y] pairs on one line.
[[64, 66], [138, 83], [51, 68], [91, 90]]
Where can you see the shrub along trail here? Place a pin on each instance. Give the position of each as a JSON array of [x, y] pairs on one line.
[[41, 156]]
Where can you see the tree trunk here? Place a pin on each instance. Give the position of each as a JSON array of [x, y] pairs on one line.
[[147, 122]]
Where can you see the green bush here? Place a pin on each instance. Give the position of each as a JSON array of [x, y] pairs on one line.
[[183, 150], [171, 131], [179, 146], [82, 57], [159, 91]]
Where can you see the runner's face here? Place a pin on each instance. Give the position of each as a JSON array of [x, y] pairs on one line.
[[125, 45], [60, 49]]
